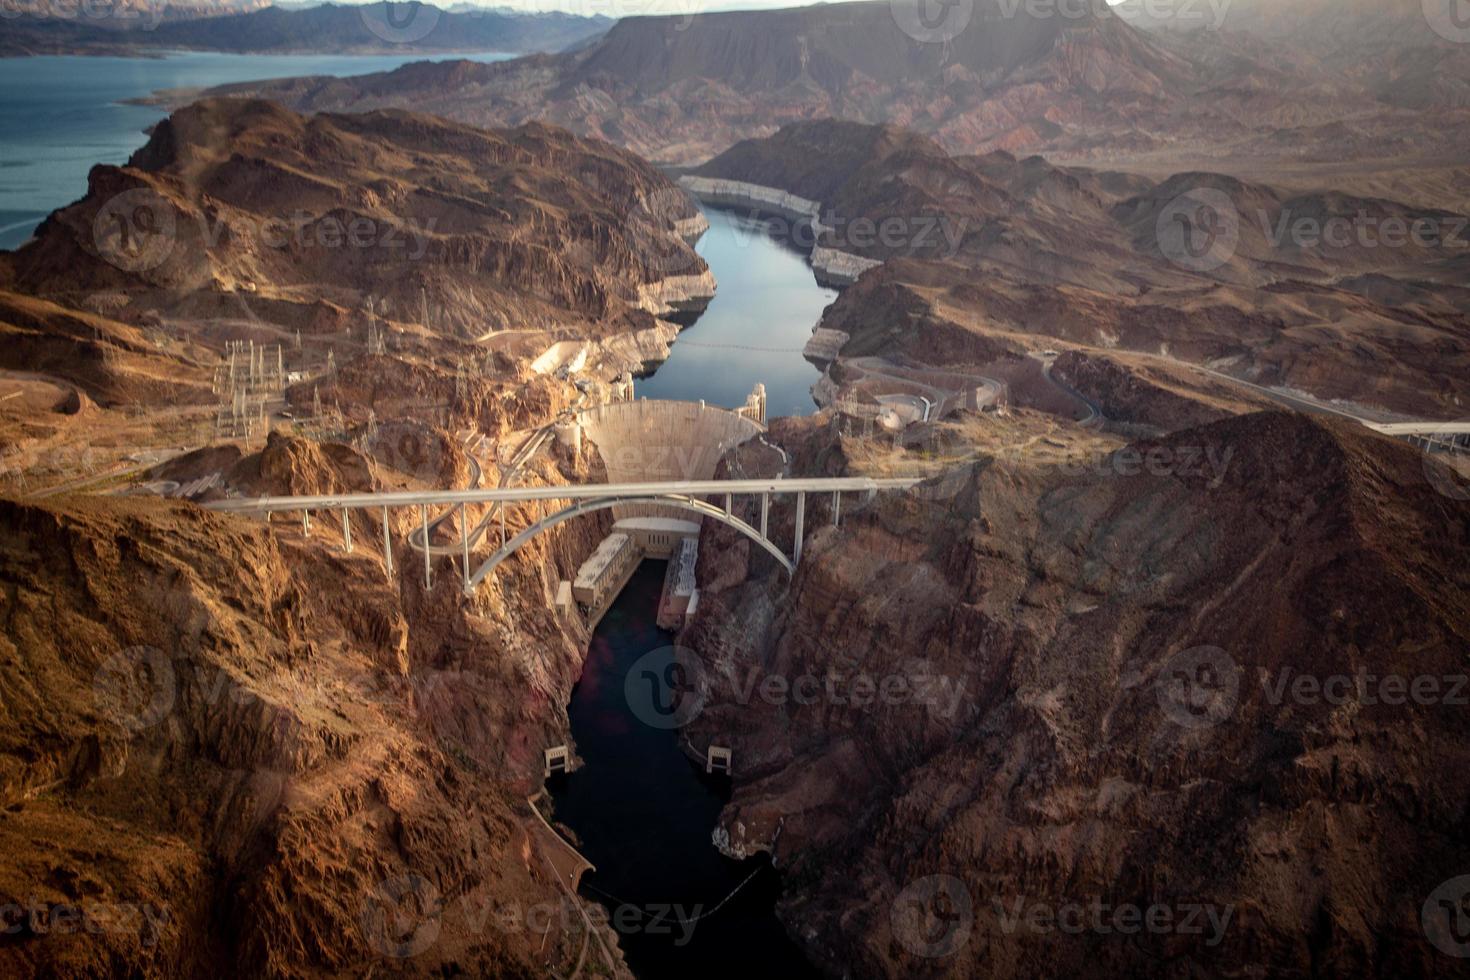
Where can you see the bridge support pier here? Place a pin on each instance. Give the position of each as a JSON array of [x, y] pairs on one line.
[[387, 547], [800, 526], [347, 530], [464, 540], [428, 570], [306, 522], [765, 513], [836, 508]]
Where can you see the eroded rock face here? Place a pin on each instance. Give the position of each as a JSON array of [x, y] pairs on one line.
[[248, 749], [1094, 697], [989, 257], [243, 210]]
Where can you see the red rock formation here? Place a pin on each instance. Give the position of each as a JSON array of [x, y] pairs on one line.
[[228, 741], [243, 210]]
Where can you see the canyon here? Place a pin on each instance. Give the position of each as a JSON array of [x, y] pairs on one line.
[[1161, 618]]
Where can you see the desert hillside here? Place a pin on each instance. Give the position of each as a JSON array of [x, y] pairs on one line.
[[988, 258], [1373, 102]]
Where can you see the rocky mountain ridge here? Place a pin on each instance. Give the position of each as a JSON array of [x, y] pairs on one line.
[[1064, 764]]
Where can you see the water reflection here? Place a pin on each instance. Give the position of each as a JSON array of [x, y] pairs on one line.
[[754, 329]]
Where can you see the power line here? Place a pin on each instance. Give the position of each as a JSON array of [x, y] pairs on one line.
[[763, 350]]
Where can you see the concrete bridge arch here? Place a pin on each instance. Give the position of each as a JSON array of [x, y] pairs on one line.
[[579, 508]]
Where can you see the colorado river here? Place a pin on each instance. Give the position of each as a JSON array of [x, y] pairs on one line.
[[643, 811], [644, 814], [753, 330]]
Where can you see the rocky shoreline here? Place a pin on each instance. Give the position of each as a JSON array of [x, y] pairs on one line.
[[833, 267], [677, 294]]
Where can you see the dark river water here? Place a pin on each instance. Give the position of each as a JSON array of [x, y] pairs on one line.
[[753, 330], [644, 813]]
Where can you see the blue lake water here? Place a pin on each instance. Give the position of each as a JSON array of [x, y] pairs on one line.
[[753, 330], [60, 115]]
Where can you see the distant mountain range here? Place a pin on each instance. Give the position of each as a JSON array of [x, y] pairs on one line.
[[1287, 90], [327, 28]]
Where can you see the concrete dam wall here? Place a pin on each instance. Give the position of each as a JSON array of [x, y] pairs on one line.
[[644, 441]]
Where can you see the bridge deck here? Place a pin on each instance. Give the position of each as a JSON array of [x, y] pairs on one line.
[[583, 491]]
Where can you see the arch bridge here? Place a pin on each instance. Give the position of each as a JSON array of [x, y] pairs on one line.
[[692, 496]]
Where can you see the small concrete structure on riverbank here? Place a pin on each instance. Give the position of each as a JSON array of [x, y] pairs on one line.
[[680, 597]]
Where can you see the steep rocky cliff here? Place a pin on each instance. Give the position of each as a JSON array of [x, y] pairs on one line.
[[233, 751], [1085, 686]]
